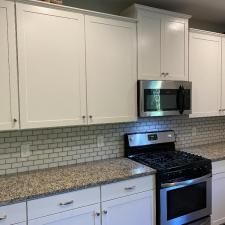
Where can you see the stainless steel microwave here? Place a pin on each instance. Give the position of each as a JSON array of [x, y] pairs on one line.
[[164, 98]]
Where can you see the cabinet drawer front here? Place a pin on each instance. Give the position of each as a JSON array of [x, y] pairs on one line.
[[218, 167], [128, 187], [12, 214], [62, 202], [80, 216]]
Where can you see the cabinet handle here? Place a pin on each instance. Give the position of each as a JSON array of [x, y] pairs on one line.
[[166, 74], [3, 216], [90, 116], [14, 120], [83, 117], [162, 74], [129, 188], [97, 213], [66, 203], [105, 212]]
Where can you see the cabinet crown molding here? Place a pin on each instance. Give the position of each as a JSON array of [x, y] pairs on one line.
[[74, 9], [199, 31], [157, 10]]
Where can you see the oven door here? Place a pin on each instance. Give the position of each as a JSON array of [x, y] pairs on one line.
[[163, 98], [186, 201]]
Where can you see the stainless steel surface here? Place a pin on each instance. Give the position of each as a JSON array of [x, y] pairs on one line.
[[141, 139], [186, 182], [157, 84], [204, 221], [191, 216], [66, 203]]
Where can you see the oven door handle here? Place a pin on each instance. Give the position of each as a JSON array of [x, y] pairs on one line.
[[186, 182]]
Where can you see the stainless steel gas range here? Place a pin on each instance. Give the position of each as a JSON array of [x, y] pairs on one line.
[[184, 181]]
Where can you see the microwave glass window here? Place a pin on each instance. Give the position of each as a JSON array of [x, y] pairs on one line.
[[160, 99], [186, 200]]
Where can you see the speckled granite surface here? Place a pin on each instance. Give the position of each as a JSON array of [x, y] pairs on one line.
[[58, 180], [215, 152]]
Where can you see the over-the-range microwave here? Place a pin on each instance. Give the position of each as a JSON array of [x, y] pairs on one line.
[[164, 98]]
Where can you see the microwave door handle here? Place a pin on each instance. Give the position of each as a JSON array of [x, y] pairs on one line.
[[180, 99]]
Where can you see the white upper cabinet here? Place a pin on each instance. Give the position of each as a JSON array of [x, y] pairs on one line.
[[175, 48], [205, 73], [111, 70], [51, 54], [9, 116], [149, 45], [162, 43], [72, 71]]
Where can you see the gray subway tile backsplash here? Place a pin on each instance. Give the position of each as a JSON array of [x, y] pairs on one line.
[[54, 147]]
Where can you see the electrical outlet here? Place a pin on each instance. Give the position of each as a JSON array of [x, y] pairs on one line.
[[25, 150], [194, 131], [100, 141]]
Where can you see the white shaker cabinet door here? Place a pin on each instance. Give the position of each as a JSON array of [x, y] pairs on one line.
[[175, 48], [51, 53], [89, 215], [149, 46], [205, 73], [218, 199], [111, 70], [9, 115], [133, 210]]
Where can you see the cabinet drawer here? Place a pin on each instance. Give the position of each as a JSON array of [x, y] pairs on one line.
[[62, 202], [128, 187], [218, 167], [12, 214]]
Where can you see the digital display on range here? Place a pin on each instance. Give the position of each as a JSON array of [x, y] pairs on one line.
[[152, 137]]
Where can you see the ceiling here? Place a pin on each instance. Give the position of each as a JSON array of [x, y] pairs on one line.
[[205, 13]]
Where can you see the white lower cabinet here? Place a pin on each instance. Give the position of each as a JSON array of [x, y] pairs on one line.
[[133, 210], [13, 214], [218, 197], [127, 202], [88, 215]]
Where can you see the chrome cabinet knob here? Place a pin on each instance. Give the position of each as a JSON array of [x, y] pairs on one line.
[[83, 117], [162, 74], [90, 116], [14, 120], [97, 213], [105, 212]]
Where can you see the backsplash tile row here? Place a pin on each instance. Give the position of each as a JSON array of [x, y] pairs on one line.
[[55, 147]]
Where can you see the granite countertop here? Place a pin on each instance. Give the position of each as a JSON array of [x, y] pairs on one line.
[[215, 152], [15, 188]]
